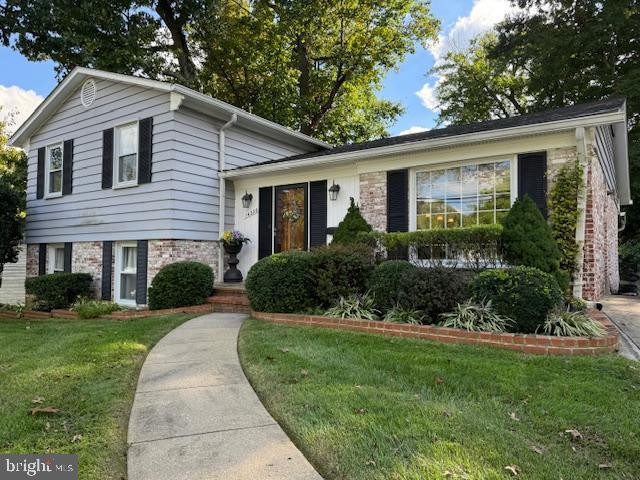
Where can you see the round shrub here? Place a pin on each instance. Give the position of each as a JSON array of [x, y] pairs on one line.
[[386, 283], [524, 294], [434, 290], [339, 271], [280, 283], [59, 290], [181, 284]]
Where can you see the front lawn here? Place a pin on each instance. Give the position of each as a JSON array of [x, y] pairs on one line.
[[86, 370], [363, 406]]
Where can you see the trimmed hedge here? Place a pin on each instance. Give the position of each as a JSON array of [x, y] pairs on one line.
[[339, 271], [385, 283], [59, 290], [181, 284], [280, 283], [524, 294], [477, 247], [351, 226], [434, 290]]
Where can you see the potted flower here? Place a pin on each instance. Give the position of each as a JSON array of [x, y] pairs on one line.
[[232, 241]]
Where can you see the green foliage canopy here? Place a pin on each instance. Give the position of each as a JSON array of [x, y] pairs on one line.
[[352, 225]]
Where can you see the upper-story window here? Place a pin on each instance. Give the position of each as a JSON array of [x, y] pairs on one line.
[[463, 196], [126, 159], [53, 167]]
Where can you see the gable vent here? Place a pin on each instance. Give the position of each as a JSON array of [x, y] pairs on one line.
[[88, 92]]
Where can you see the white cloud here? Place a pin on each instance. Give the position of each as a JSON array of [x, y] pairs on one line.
[[414, 129], [427, 95], [483, 16], [16, 104]]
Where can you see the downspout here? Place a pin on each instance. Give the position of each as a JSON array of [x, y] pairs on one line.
[[581, 147], [222, 190]]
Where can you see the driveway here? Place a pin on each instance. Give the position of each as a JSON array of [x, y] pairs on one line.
[[624, 311], [196, 417]]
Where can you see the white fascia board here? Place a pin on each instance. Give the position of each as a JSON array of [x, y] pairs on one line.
[[213, 106], [452, 141]]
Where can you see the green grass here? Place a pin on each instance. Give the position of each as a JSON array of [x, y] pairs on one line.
[[370, 407], [86, 369]]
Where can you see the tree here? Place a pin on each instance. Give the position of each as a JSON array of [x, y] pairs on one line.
[[312, 65], [351, 226], [13, 167], [552, 53], [11, 224]]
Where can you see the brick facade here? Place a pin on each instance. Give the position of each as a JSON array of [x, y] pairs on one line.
[[87, 258], [373, 199]]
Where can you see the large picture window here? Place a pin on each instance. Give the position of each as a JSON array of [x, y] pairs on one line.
[[54, 170], [463, 196], [126, 159]]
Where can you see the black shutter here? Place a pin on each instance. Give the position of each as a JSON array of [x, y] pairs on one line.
[[141, 270], [107, 158], [145, 143], [67, 256], [40, 173], [265, 219], [107, 260], [42, 259], [532, 178], [67, 168], [398, 201], [318, 213]]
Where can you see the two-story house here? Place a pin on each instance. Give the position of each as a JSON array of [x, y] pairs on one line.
[[127, 175]]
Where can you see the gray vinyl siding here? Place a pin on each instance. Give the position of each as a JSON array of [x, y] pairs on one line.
[[604, 148], [181, 202]]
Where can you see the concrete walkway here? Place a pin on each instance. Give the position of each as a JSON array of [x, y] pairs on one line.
[[196, 417], [624, 311]]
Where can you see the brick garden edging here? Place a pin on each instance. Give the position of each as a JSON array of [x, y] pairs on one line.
[[537, 344]]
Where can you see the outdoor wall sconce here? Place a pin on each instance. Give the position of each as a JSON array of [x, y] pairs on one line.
[[333, 191], [246, 199]]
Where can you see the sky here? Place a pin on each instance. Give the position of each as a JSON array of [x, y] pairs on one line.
[[24, 84]]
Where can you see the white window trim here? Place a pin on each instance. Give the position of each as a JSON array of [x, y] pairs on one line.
[[118, 270], [47, 170], [116, 163], [413, 198], [51, 257]]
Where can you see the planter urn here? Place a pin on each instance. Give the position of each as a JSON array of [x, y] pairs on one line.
[[232, 275]]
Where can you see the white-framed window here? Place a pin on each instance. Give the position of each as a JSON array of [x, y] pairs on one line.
[[126, 272], [55, 258], [126, 155], [477, 193], [53, 170]]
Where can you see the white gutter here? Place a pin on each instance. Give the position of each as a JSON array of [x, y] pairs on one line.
[[581, 225], [450, 141], [222, 187]]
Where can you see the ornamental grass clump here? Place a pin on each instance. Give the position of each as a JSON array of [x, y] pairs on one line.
[[564, 323], [476, 317], [87, 308], [399, 314], [360, 306]]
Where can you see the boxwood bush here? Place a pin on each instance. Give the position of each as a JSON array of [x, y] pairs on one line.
[[434, 290], [181, 284], [59, 290], [281, 283], [525, 294], [386, 283], [339, 271]]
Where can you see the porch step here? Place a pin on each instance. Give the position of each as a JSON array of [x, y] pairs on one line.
[[229, 299]]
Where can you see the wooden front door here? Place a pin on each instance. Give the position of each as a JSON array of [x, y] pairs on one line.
[[290, 218]]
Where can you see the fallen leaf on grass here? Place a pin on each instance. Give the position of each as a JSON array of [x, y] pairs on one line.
[[575, 434], [76, 438], [535, 448], [284, 350], [360, 411], [513, 469], [514, 417], [44, 410], [439, 380], [37, 400], [446, 414], [370, 463], [304, 373], [604, 466]]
